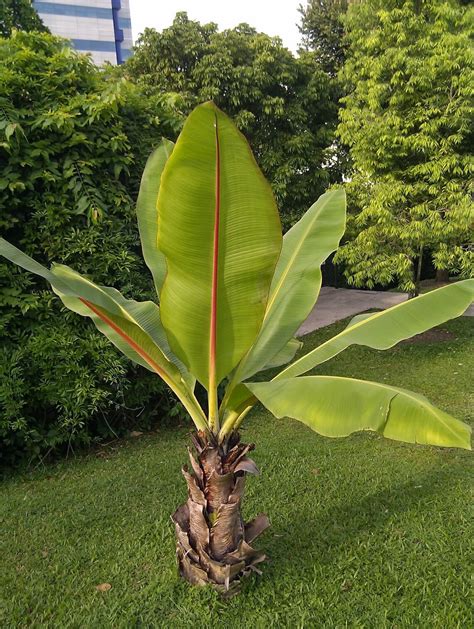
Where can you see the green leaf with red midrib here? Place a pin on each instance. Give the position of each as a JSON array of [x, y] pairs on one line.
[[219, 231], [141, 352]]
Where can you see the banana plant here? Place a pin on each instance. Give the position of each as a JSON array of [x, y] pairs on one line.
[[231, 294]]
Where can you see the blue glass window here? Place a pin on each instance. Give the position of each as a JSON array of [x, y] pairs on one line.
[[73, 9], [95, 45], [124, 22]]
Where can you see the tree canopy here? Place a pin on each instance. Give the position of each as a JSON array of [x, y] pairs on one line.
[[323, 31], [284, 105], [407, 120], [20, 15]]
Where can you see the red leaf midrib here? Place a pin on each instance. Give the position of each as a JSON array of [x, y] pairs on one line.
[[141, 352], [215, 267]]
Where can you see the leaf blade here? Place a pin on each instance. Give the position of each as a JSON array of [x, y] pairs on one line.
[[71, 287], [249, 244], [385, 329], [336, 407], [147, 211], [297, 279]]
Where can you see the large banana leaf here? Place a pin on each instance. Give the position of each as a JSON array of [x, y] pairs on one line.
[[134, 328], [380, 331], [145, 315], [147, 211], [297, 280], [387, 328], [336, 407], [109, 325], [220, 233]]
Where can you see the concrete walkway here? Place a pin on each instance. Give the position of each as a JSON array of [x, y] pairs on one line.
[[338, 303]]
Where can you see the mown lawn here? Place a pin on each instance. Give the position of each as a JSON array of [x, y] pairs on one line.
[[365, 532]]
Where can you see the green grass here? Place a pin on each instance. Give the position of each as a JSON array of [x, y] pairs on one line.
[[365, 532]]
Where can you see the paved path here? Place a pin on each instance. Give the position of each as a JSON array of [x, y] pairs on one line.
[[338, 303]]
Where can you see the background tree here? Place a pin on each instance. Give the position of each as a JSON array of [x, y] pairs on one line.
[[68, 184], [283, 104], [322, 27], [19, 14], [323, 31], [407, 120]]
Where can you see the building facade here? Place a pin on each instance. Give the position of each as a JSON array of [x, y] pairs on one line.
[[100, 27]]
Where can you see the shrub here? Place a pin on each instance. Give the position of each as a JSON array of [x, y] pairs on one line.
[[68, 135]]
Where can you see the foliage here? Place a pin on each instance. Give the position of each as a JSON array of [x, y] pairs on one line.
[[64, 387], [366, 515], [20, 15], [323, 31], [215, 253], [71, 169], [285, 106], [322, 27], [407, 120], [232, 295]]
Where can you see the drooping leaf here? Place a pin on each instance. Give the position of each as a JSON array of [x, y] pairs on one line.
[[12, 253], [337, 407], [68, 283], [126, 336], [145, 315], [134, 328], [297, 280], [147, 211], [387, 328], [220, 233]]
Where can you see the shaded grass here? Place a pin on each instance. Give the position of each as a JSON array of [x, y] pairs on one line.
[[365, 532]]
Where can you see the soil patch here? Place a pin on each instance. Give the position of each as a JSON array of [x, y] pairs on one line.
[[435, 335]]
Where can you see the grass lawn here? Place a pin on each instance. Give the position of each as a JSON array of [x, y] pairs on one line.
[[365, 532]]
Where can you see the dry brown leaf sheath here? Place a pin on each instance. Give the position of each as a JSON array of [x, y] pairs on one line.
[[213, 543]]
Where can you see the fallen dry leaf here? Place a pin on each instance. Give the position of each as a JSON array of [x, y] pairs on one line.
[[103, 587], [346, 585], [136, 433]]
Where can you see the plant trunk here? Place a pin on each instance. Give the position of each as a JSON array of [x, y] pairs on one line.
[[213, 543]]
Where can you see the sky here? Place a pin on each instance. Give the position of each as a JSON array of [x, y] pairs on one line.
[[274, 17]]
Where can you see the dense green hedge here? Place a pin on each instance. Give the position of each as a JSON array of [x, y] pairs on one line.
[[73, 142]]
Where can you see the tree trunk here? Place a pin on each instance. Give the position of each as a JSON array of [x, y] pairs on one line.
[[213, 543], [442, 276], [417, 275]]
